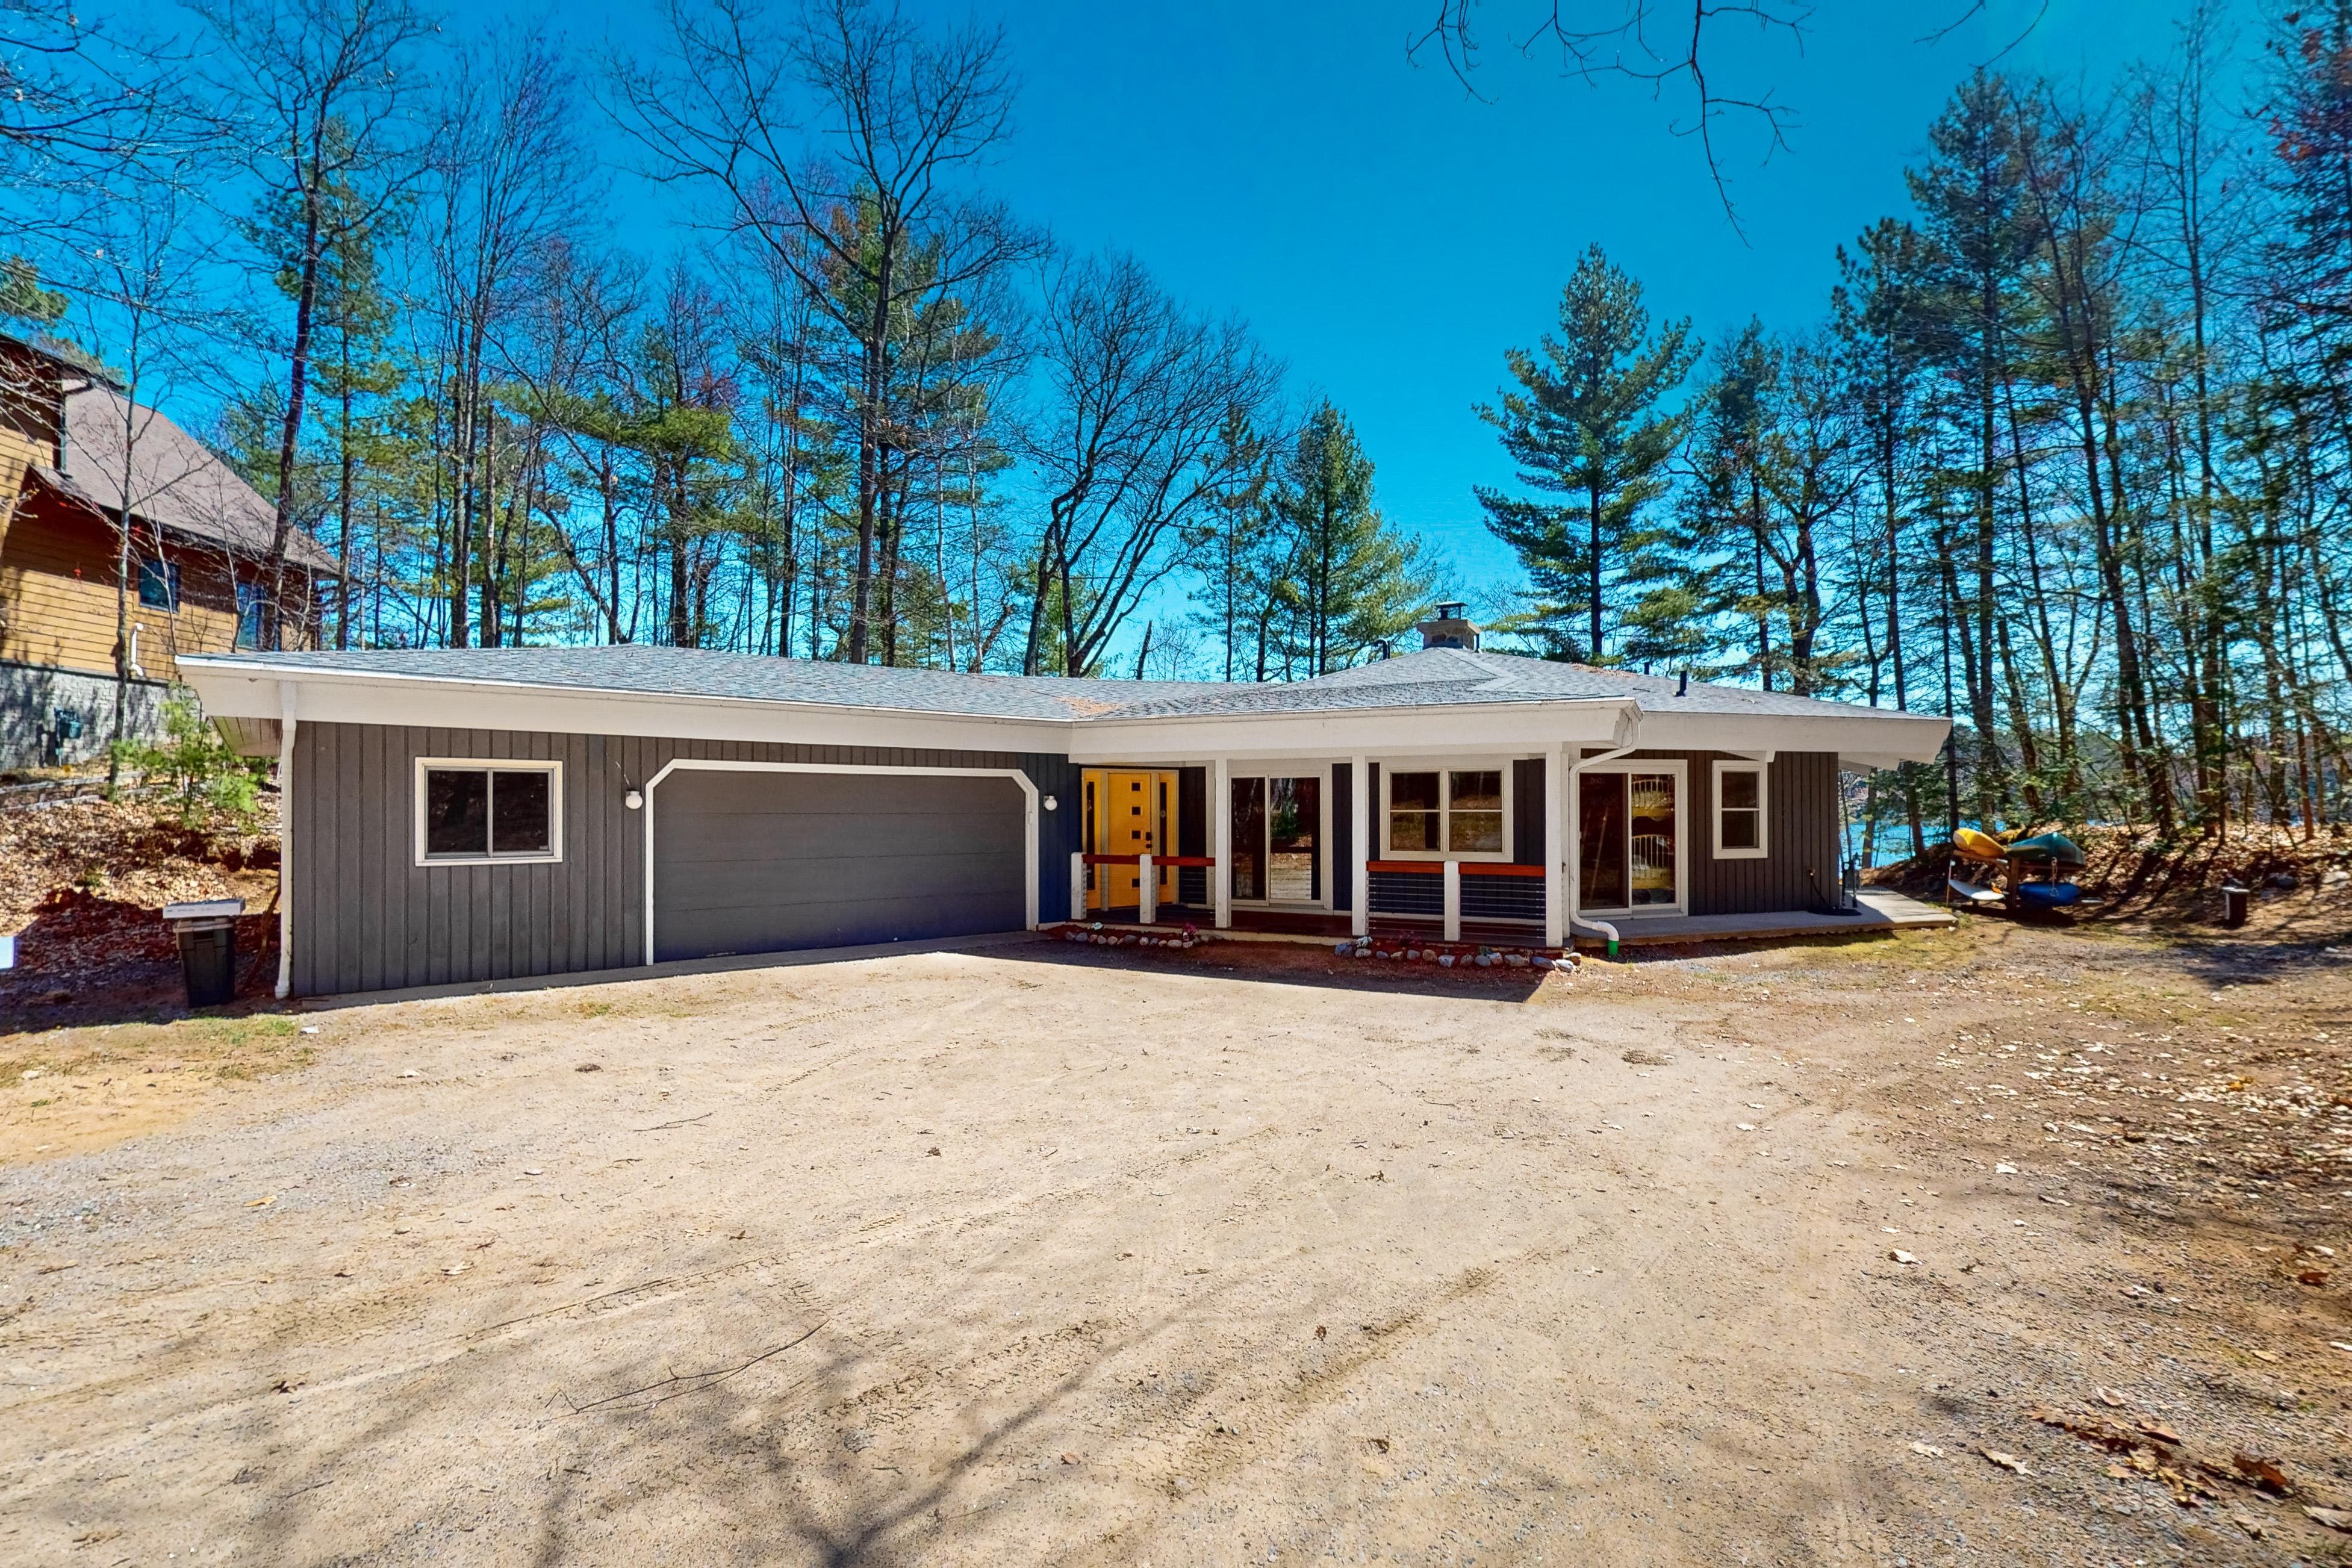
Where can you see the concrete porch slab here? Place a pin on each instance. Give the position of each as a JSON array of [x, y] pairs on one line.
[[1881, 911]]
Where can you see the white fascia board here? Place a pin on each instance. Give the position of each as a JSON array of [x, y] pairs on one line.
[[1904, 737], [1497, 729], [334, 698]]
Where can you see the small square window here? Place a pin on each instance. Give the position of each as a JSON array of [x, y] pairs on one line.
[[159, 585], [488, 813], [1739, 802]]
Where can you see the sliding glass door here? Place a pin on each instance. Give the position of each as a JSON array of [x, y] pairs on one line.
[[1629, 840], [1277, 840]]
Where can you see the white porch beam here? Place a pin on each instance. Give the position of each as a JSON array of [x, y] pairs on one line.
[[1221, 839], [1360, 845]]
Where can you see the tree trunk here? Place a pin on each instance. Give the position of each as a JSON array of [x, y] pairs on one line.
[[876, 386]]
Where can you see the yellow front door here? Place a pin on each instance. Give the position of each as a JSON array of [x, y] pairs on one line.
[[1130, 811]]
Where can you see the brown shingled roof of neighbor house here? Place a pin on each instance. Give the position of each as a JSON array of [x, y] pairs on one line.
[[177, 484]]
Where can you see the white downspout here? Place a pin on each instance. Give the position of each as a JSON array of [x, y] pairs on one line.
[[285, 839], [1628, 728]]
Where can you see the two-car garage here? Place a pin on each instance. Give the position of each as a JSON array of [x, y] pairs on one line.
[[760, 858]]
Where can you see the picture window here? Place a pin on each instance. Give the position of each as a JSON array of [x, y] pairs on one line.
[[1456, 812], [489, 812]]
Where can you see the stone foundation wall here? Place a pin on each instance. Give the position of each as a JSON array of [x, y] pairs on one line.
[[40, 706]]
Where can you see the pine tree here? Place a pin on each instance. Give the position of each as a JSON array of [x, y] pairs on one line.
[[1720, 544], [1973, 199], [1585, 422], [1354, 581]]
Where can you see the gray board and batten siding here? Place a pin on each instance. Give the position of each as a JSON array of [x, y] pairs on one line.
[[1801, 817], [366, 917]]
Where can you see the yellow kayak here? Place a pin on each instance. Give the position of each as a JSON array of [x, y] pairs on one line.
[[1972, 844]]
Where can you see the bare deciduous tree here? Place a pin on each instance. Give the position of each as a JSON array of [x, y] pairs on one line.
[[798, 127], [1129, 444], [315, 93]]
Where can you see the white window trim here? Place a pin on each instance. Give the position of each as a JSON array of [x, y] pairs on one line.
[[1680, 770], [554, 770], [1445, 769], [1323, 809], [1763, 771]]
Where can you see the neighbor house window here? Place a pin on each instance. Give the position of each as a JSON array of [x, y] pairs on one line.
[[1447, 814], [159, 585], [1740, 795], [474, 813], [249, 602]]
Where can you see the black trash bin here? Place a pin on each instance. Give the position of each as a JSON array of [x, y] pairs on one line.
[[2233, 903], [207, 933]]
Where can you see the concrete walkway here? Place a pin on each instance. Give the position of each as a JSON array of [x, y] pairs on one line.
[[1881, 911]]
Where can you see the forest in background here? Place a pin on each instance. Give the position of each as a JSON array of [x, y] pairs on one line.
[[2066, 456]]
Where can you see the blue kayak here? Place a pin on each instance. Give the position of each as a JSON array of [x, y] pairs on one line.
[[2048, 895]]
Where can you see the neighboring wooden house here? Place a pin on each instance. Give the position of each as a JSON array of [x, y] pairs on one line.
[[199, 554], [478, 815]]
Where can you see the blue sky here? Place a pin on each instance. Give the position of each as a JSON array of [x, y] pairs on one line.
[[1389, 236]]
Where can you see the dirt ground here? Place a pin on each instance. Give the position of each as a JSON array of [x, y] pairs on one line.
[[1038, 1253]]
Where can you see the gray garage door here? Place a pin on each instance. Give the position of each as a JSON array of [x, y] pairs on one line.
[[758, 862]]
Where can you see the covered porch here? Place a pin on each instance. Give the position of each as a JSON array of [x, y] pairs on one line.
[[1583, 841], [1878, 911]]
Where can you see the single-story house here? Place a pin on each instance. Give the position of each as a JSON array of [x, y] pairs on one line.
[[473, 815]]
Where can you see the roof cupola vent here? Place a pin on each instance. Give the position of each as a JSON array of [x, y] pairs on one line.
[[1451, 628]]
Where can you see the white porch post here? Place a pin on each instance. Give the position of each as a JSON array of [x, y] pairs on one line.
[[1454, 900], [1360, 845], [1221, 839], [1556, 847], [1078, 884], [1146, 892]]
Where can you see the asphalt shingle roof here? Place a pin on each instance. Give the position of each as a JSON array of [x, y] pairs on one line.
[[653, 670], [176, 483], [1435, 678]]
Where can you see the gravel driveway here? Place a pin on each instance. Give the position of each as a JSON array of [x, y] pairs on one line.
[[1039, 1254]]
